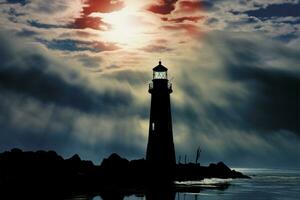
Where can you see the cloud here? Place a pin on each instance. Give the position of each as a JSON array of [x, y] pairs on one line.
[[183, 19], [277, 91], [81, 34], [190, 29], [40, 14], [49, 104], [244, 16], [90, 22], [56, 7], [26, 33], [208, 5], [32, 75], [156, 48], [163, 7], [91, 6], [239, 87], [37, 24], [22, 2], [190, 6], [79, 45], [88, 61], [103, 6], [265, 81]]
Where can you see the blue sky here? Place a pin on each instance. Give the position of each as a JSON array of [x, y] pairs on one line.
[[74, 75]]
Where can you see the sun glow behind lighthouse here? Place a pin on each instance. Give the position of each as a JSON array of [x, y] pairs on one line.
[[127, 27]]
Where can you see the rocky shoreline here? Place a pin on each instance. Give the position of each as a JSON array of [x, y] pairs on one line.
[[46, 171]]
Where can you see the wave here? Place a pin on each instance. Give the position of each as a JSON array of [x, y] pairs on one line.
[[207, 182]]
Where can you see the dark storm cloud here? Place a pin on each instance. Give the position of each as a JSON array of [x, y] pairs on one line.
[[208, 4], [58, 130], [13, 13], [272, 99], [26, 33], [68, 45], [32, 76], [276, 10], [189, 6], [287, 37], [211, 21], [22, 2], [240, 101], [35, 23], [46, 105], [79, 45], [276, 98], [36, 82], [29, 138], [275, 92]]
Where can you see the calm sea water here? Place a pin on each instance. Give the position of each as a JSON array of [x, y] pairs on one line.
[[265, 184]]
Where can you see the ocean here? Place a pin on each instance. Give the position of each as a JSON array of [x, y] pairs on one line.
[[266, 184]]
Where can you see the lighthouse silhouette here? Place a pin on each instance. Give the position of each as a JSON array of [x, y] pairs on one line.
[[160, 149]]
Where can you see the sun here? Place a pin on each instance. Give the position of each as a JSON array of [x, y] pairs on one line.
[[125, 27]]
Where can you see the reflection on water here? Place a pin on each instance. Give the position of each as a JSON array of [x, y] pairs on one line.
[[149, 196], [183, 191], [265, 184]]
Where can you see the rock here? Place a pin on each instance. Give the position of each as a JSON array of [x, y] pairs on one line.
[[114, 161], [223, 167], [16, 150], [75, 158]]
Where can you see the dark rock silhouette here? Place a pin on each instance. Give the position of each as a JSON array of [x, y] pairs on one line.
[[46, 171]]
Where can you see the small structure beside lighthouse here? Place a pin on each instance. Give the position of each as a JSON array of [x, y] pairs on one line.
[[160, 148]]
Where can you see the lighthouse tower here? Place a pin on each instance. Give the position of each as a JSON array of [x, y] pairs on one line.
[[160, 148]]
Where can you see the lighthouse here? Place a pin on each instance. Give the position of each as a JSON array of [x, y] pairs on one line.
[[160, 149]]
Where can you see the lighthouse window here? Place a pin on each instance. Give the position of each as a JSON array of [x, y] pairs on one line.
[[160, 75], [153, 126]]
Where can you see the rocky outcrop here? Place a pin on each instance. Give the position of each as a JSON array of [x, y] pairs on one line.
[[47, 170]]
